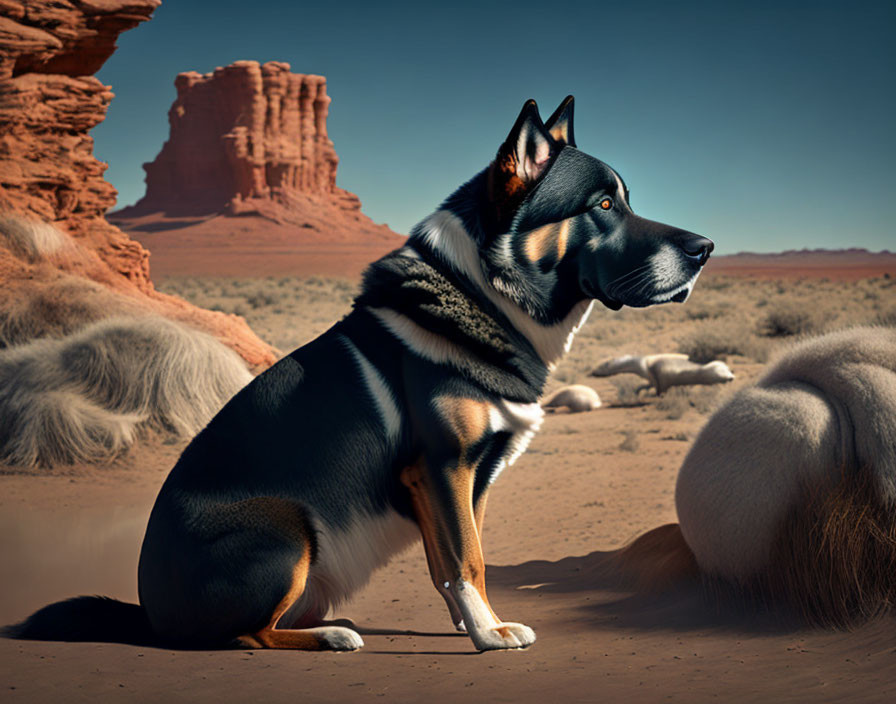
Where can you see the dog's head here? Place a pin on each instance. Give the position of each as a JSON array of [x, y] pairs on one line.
[[556, 227]]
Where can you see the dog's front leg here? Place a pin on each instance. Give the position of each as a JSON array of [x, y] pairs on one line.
[[443, 504]]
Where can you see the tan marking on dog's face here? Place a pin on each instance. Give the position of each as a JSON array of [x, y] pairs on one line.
[[540, 241], [563, 238]]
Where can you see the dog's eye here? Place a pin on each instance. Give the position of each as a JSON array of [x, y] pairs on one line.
[[605, 203]]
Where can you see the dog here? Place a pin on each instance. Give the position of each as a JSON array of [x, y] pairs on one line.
[[395, 422]]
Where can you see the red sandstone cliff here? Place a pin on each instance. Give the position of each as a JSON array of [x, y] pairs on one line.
[[49, 101], [248, 157], [243, 132]]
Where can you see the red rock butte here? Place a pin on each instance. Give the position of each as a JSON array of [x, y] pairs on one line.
[[246, 182], [49, 101]]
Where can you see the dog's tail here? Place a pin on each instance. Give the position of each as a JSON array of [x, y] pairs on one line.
[[97, 619]]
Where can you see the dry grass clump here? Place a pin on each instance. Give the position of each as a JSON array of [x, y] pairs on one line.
[[287, 311], [674, 403], [790, 319], [31, 240], [627, 391], [630, 442], [679, 400], [58, 308], [886, 317], [712, 341], [704, 312], [86, 397]]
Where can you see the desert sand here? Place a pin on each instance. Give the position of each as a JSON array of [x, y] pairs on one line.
[[588, 484]]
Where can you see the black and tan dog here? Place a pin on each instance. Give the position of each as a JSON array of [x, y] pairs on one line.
[[396, 421]]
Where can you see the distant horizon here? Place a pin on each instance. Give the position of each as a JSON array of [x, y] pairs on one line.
[[808, 250], [737, 120]]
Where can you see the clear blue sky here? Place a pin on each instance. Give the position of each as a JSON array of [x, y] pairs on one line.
[[764, 125]]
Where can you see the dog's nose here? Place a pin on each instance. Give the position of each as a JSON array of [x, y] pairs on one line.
[[697, 247]]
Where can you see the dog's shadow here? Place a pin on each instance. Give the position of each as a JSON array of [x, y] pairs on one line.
[[653, 583]]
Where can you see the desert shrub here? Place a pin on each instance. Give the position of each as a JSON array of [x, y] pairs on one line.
[[230, 307], [704, 399], [789, 319], [31, 240], [886, 317], [715, 283], [703, 312], [713, 342], [674, 403], [627, 391], [261, 298], [679, 400], [57, 308], [630, 442], [87, 396]]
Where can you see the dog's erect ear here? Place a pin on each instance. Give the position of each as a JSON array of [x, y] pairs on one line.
[[528, 146], [559, 125], [521, 160]]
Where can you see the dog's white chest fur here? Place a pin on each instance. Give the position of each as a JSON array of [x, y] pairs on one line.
[[522, 420]]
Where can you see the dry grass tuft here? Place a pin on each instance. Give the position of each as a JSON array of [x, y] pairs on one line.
[[712, 341], [86, 397], [627, 391], [674, 403], [630, 442], [790, 319], [886, 317]]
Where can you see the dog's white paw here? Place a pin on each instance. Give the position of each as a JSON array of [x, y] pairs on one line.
[[503, 636], [460, 626], [337, 638]]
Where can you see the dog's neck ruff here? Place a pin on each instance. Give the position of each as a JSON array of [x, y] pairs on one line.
[[434, 315], [444, 233]]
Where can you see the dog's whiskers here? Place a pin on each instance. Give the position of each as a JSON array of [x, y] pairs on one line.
[[631, 286], [622, 279]]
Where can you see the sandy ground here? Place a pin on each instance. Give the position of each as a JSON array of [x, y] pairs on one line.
[[250, 245], [588, 484]]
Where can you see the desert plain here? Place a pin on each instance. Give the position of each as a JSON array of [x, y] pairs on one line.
[[589, 484]]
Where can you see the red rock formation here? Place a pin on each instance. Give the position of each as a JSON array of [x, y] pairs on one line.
[[250, 139], [246, 182], [243, 132], [48, 103]]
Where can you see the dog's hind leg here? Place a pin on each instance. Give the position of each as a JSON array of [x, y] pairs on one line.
[[231, 572], [320, 638]]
